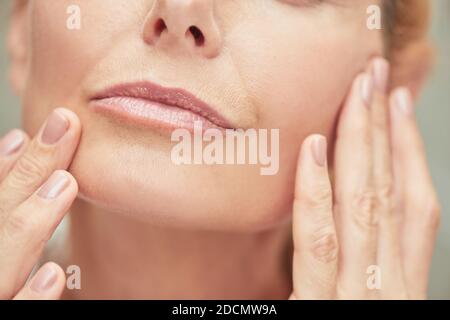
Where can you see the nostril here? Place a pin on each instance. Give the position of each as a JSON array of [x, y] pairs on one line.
[[160, 26], [198, 36]]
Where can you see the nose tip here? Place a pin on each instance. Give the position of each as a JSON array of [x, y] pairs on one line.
[[190, 24]]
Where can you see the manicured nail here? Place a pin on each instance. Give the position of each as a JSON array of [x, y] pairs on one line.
[[54, 186], [367, 89], [319, 150], [11, 143], [381, 74], [403, 100], [44, 279], [57, 125]]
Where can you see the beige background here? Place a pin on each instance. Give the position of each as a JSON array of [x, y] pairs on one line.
[[433, 114]]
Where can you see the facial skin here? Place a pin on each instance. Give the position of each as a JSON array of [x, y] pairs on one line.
[[267, 64]]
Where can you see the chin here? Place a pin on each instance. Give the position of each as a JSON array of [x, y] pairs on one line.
[[139, 180]]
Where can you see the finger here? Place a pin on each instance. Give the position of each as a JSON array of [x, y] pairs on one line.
[[420, 204], [315, 241], [47, 284], [354, 195], [12, 146], [50, 150], [28, 228], [389, 254], [381, 148]]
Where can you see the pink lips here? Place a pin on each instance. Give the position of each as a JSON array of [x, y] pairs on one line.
[[153, 105]]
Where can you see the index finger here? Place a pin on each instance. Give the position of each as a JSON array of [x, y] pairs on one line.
[[52, 149]]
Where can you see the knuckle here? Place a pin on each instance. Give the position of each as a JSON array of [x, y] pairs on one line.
[[3, 212], [366, 137], [325, 247], [21, 229], [426, 209], [319, 199], [379, 123], [384, 195], [384, 186], [357, 128], [18, 224], [362, 208], [29, 168], [433, 214]]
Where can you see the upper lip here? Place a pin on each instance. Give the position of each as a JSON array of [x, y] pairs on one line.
[[169, 96]]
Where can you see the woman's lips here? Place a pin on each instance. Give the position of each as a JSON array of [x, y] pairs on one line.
[[149, 104]]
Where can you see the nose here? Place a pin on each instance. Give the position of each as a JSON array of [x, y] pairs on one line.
[[187, 24]]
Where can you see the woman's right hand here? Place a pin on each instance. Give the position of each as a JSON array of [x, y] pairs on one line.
[[35, 194]]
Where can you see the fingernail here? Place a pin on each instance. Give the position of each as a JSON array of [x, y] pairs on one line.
[[55, 128], [367, 89], [381, 74], [319, 150], [44, 279], [403, 100], [54, 186], [11, 142]]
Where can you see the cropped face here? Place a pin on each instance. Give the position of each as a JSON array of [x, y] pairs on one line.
[[135, 70]]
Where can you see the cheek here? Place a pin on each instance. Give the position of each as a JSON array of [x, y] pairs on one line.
[[297, 63], [298, 77], [298, 83], [61, 58]]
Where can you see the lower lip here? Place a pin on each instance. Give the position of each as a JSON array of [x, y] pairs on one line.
[[150, 113]]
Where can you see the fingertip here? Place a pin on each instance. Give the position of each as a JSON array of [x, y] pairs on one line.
[[366, 86], [71, 116], [356, 110], [314, 150], [47, 284], [73, 184], [59, 183], [362, 91], [13, 143], [319, 150], [53, 268], [20, 133], [404, 127], [312, 170], [401, 101], [50, 283], [380, 69], [61, 275]]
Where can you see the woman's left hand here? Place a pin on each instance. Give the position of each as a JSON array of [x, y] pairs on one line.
[[370, 234]]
